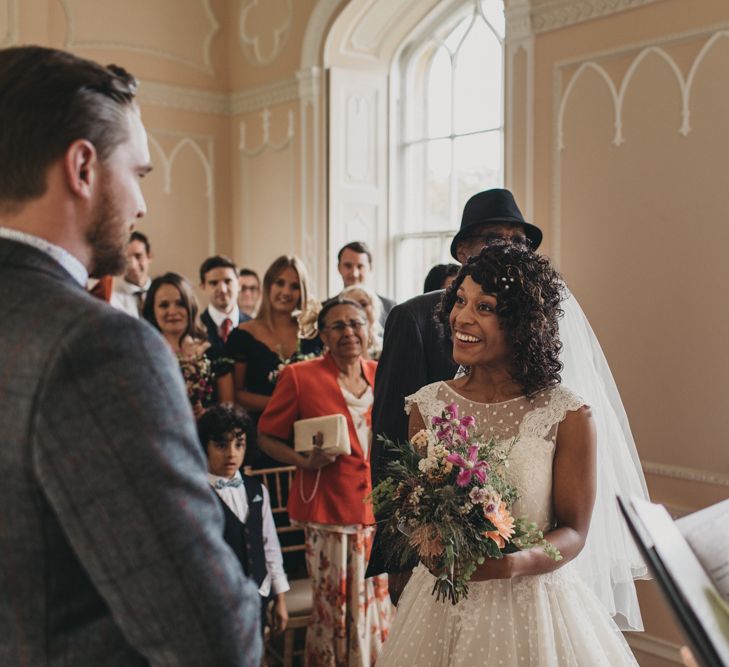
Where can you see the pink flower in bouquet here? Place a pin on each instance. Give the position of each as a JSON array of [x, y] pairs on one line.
[[503, 523], [470, 467], [450, 424]]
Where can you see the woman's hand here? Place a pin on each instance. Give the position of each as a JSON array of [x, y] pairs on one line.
[[495, 568], [316, 459], [492, 568]]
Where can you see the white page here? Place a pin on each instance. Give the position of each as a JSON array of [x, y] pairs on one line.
[[707, 532]]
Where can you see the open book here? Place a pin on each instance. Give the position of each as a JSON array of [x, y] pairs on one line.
[[690, 561]]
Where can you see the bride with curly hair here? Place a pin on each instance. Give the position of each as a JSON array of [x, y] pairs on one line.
[[525, 608]]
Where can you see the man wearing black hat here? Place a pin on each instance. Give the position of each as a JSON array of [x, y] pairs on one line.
[[414, 354]]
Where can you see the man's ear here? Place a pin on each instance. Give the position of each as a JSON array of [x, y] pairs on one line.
[[80, 168]]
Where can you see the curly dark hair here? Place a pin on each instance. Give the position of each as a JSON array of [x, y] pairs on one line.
[[220, 421], [528, 293]]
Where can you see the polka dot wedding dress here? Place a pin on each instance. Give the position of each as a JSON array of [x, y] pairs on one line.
[[548, 620]]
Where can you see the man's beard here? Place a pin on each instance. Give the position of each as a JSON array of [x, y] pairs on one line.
[[107, 237]]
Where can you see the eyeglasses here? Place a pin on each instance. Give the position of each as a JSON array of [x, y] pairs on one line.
[[248, 288], [339, 326]]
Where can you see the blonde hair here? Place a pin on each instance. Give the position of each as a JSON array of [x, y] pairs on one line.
[[274, 271]]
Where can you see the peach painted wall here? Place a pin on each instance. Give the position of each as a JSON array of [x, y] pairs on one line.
[[630, 125]]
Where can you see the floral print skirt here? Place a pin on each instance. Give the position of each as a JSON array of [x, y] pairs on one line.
[[351, 615]]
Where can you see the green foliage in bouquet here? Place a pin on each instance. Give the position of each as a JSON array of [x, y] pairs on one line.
[[447, 501]]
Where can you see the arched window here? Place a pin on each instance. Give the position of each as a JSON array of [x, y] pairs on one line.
[[447, 115]]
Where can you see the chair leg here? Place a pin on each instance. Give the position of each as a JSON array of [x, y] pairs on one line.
[[288, 649]]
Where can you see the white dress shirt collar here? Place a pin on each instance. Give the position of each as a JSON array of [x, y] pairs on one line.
[[131, 288], [60, 255], [218, 316]]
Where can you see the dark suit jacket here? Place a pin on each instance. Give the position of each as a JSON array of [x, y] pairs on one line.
[[413, 354], [111, 547], [386, 305], [216, 342]]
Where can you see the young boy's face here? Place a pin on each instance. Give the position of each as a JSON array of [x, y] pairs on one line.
[[226, 456]]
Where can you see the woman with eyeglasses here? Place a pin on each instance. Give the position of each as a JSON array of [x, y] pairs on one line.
[[351, 615]]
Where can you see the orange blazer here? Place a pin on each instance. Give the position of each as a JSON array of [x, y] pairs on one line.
[[310, 389]]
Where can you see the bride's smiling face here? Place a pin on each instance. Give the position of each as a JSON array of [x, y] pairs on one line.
[[478, 336]]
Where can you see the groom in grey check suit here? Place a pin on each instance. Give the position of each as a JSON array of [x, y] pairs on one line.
[[111, 542]]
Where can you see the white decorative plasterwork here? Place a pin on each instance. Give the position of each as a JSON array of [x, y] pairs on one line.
[[617, 93], [269, 95], [377, 18], [204, 62], [266, 142], [206, 158], [554, 14], [684, 473], [187, 99], [201, 101], [278, 34], [10, 35]]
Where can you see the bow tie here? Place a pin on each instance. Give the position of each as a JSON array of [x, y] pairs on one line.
[[222, 483]]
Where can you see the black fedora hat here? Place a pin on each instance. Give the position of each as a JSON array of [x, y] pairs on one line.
[[493, 207]]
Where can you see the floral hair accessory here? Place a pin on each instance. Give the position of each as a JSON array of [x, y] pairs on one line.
[[307, 319]]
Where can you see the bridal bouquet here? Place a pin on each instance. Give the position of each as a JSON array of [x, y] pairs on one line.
[[447, 501]]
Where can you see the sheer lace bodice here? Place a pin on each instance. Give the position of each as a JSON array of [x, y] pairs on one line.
[[532, 421]]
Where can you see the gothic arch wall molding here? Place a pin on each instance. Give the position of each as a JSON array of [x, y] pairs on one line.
[[252, 48], [204, 63], [167, 160], [640, 51], [618, 93], [266, 143], [10, 35]]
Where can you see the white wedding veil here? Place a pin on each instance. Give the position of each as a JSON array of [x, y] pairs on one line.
[[609, 561]]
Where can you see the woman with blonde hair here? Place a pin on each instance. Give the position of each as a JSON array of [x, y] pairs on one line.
[[263, 346]]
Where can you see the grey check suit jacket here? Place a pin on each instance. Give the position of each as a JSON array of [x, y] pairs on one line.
[[111, 541]]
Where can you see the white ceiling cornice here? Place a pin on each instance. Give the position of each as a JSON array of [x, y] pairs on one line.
[[538, 16]]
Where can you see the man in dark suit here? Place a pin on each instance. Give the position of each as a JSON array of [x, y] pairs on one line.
[[111, 547], [414, 351], [354, 263], [219, 281]]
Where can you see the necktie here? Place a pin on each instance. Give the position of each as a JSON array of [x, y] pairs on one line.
[[139, 295], [225, 329], [222, 483]]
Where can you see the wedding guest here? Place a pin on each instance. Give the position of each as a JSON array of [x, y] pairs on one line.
[[171, 307], [371, 304], [440, 277], [354, 263], [250, 291], [249, 527], [130, 291], [263, 345], [219, 282], [351, 615]]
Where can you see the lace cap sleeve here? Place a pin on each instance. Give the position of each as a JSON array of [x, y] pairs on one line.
[[540, 421], [426, 400]]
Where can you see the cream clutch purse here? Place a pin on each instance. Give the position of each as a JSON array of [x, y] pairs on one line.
[[332, 427]]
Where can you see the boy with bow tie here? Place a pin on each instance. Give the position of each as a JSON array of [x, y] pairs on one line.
[[249, 527]]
